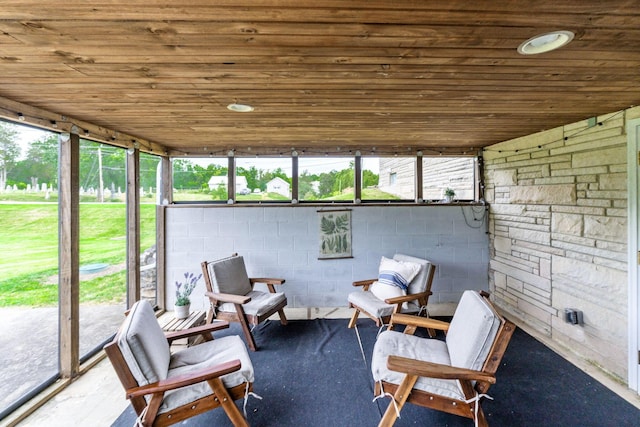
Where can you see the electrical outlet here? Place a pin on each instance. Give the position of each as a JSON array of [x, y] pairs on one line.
[[573, 316]]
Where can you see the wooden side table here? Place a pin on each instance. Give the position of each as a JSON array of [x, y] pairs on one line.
[[169, 323]]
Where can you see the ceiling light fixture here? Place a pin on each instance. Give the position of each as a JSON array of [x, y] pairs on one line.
[[545, 42], [240, 108]]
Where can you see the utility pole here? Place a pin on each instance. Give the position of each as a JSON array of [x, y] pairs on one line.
[[100, 182]]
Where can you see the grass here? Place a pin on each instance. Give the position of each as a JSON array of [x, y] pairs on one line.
[[29, 242]]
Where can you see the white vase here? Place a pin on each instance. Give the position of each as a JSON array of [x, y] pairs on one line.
[[182, 311]]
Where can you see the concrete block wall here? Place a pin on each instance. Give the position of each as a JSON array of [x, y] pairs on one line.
[[282, 241], [558, 234]]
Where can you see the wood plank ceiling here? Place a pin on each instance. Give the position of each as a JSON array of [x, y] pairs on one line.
[[327, 76]]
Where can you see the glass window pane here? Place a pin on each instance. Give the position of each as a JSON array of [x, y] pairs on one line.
[[149, 170], [200, 179], [326, 178], [397, 176], [263, 179], [456, 173], [102, 243], [29, 261]]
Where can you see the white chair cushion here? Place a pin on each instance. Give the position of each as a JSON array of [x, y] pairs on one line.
[[429, 350], [383, 291], [472, 331], [368, 302], [143, 344], [202, 356], [229, 276], [376, 307], [419, 282], [397, 273], [261, 302]]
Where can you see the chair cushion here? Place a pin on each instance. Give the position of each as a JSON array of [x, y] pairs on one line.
[[383, 291], [472, 331], [143, 344], [368, 302], [419, 282], [202, 356], [413, 347], [229, 276], [397, 273], [261, 303]]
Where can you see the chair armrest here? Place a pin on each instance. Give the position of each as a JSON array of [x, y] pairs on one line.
[[186, 379], [436, 370], [364, 283], [266, 280], [407, 298], [198, 330], [418, 321], [234, 299]]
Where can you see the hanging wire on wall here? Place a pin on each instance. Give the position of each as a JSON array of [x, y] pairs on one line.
[[565, 137], [478, 215]]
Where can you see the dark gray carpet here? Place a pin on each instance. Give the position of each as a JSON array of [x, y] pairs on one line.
[[311, 373]]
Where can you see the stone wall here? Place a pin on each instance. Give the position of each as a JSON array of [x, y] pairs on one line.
[[558, 234]]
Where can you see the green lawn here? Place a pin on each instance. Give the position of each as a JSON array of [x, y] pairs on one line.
[[29, 248]]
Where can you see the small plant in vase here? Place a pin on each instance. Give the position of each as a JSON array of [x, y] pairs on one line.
[[183, 292], [449, 194]]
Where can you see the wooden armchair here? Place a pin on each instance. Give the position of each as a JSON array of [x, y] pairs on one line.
[[451, 376], [167, 388], [233, 298], [379, 307]]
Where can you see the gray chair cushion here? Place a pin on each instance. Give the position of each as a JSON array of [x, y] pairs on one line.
[[202, 356], [143, 344], [418, 284], [229, 276], [430, 350], [472, 331], [261, 302]]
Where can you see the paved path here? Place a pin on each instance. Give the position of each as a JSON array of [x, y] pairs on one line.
[[29, 343]]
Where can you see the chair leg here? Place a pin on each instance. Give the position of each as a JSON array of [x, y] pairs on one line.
[[242, 317], [227, 403], [354, 318], [401, 395], [283, 318]]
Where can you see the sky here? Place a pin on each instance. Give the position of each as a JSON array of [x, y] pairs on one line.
[[26, 135]]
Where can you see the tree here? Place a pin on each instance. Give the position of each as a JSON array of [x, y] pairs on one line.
[[40, 163], [9, 150]]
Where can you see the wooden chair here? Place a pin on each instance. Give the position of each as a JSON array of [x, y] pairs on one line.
[[167, 388], [380, 310], [233, 298], [450, 376]]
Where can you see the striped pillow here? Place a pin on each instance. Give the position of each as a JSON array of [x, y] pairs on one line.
[[397, 273]]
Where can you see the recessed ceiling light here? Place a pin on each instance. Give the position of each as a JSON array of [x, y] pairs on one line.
[[545, 42], [240, 108]]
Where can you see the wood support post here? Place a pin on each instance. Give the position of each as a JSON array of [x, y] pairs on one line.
[[68, 254], [133, 226]]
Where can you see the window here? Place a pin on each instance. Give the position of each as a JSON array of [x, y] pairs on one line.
[[29, 261], [440, 173], [326, 178], [323, 179], [263, 179], [200, 179], [397, 179]]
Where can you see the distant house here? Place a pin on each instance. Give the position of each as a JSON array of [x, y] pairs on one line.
[[280, 186], [216, 182]]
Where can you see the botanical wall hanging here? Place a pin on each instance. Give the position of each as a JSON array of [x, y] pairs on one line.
[[335, 234]]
